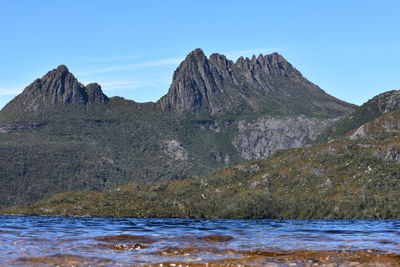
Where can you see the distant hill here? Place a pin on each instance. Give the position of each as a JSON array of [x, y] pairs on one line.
[[59, 135], [375, 107]]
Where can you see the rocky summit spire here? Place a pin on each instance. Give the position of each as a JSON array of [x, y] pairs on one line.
[[193, 84], [268, 84], [58, 86]]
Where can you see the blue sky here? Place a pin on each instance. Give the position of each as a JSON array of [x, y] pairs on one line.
[[351, 49]]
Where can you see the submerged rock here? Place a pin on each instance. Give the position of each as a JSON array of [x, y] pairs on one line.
[[217, 238]]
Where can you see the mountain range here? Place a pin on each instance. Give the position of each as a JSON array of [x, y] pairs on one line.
[[59, 135]]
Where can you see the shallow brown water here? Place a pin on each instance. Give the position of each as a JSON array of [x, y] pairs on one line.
[[61, 241]]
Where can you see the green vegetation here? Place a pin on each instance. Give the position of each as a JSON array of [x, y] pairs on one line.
[[348, 178], [98, 148]]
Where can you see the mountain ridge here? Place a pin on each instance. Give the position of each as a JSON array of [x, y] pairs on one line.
[[217, 85], [211, 85]]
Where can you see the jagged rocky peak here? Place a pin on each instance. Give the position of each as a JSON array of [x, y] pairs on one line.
[[61, 86], [272, 64], [58, 86], [217, 85], [192, 84], [196, 54]]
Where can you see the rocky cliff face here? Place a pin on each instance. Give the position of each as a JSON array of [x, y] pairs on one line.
[[58, 86], [263, 137], [268, 83]]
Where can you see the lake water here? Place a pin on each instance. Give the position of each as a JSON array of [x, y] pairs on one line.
[[52, 241]]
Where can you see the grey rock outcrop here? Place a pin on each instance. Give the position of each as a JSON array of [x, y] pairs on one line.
[[175, 150], [263, 137], [216, 155], [359, 133], [392, 154], [250, 169]]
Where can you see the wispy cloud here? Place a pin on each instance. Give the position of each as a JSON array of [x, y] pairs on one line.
[[110, 85], [130, 84], [162, 62], [6, 91], [103, 60]]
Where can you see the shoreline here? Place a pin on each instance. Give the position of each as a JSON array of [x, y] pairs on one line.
[[192, 257]]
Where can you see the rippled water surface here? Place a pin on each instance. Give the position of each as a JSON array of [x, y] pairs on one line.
[[125, 241]]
